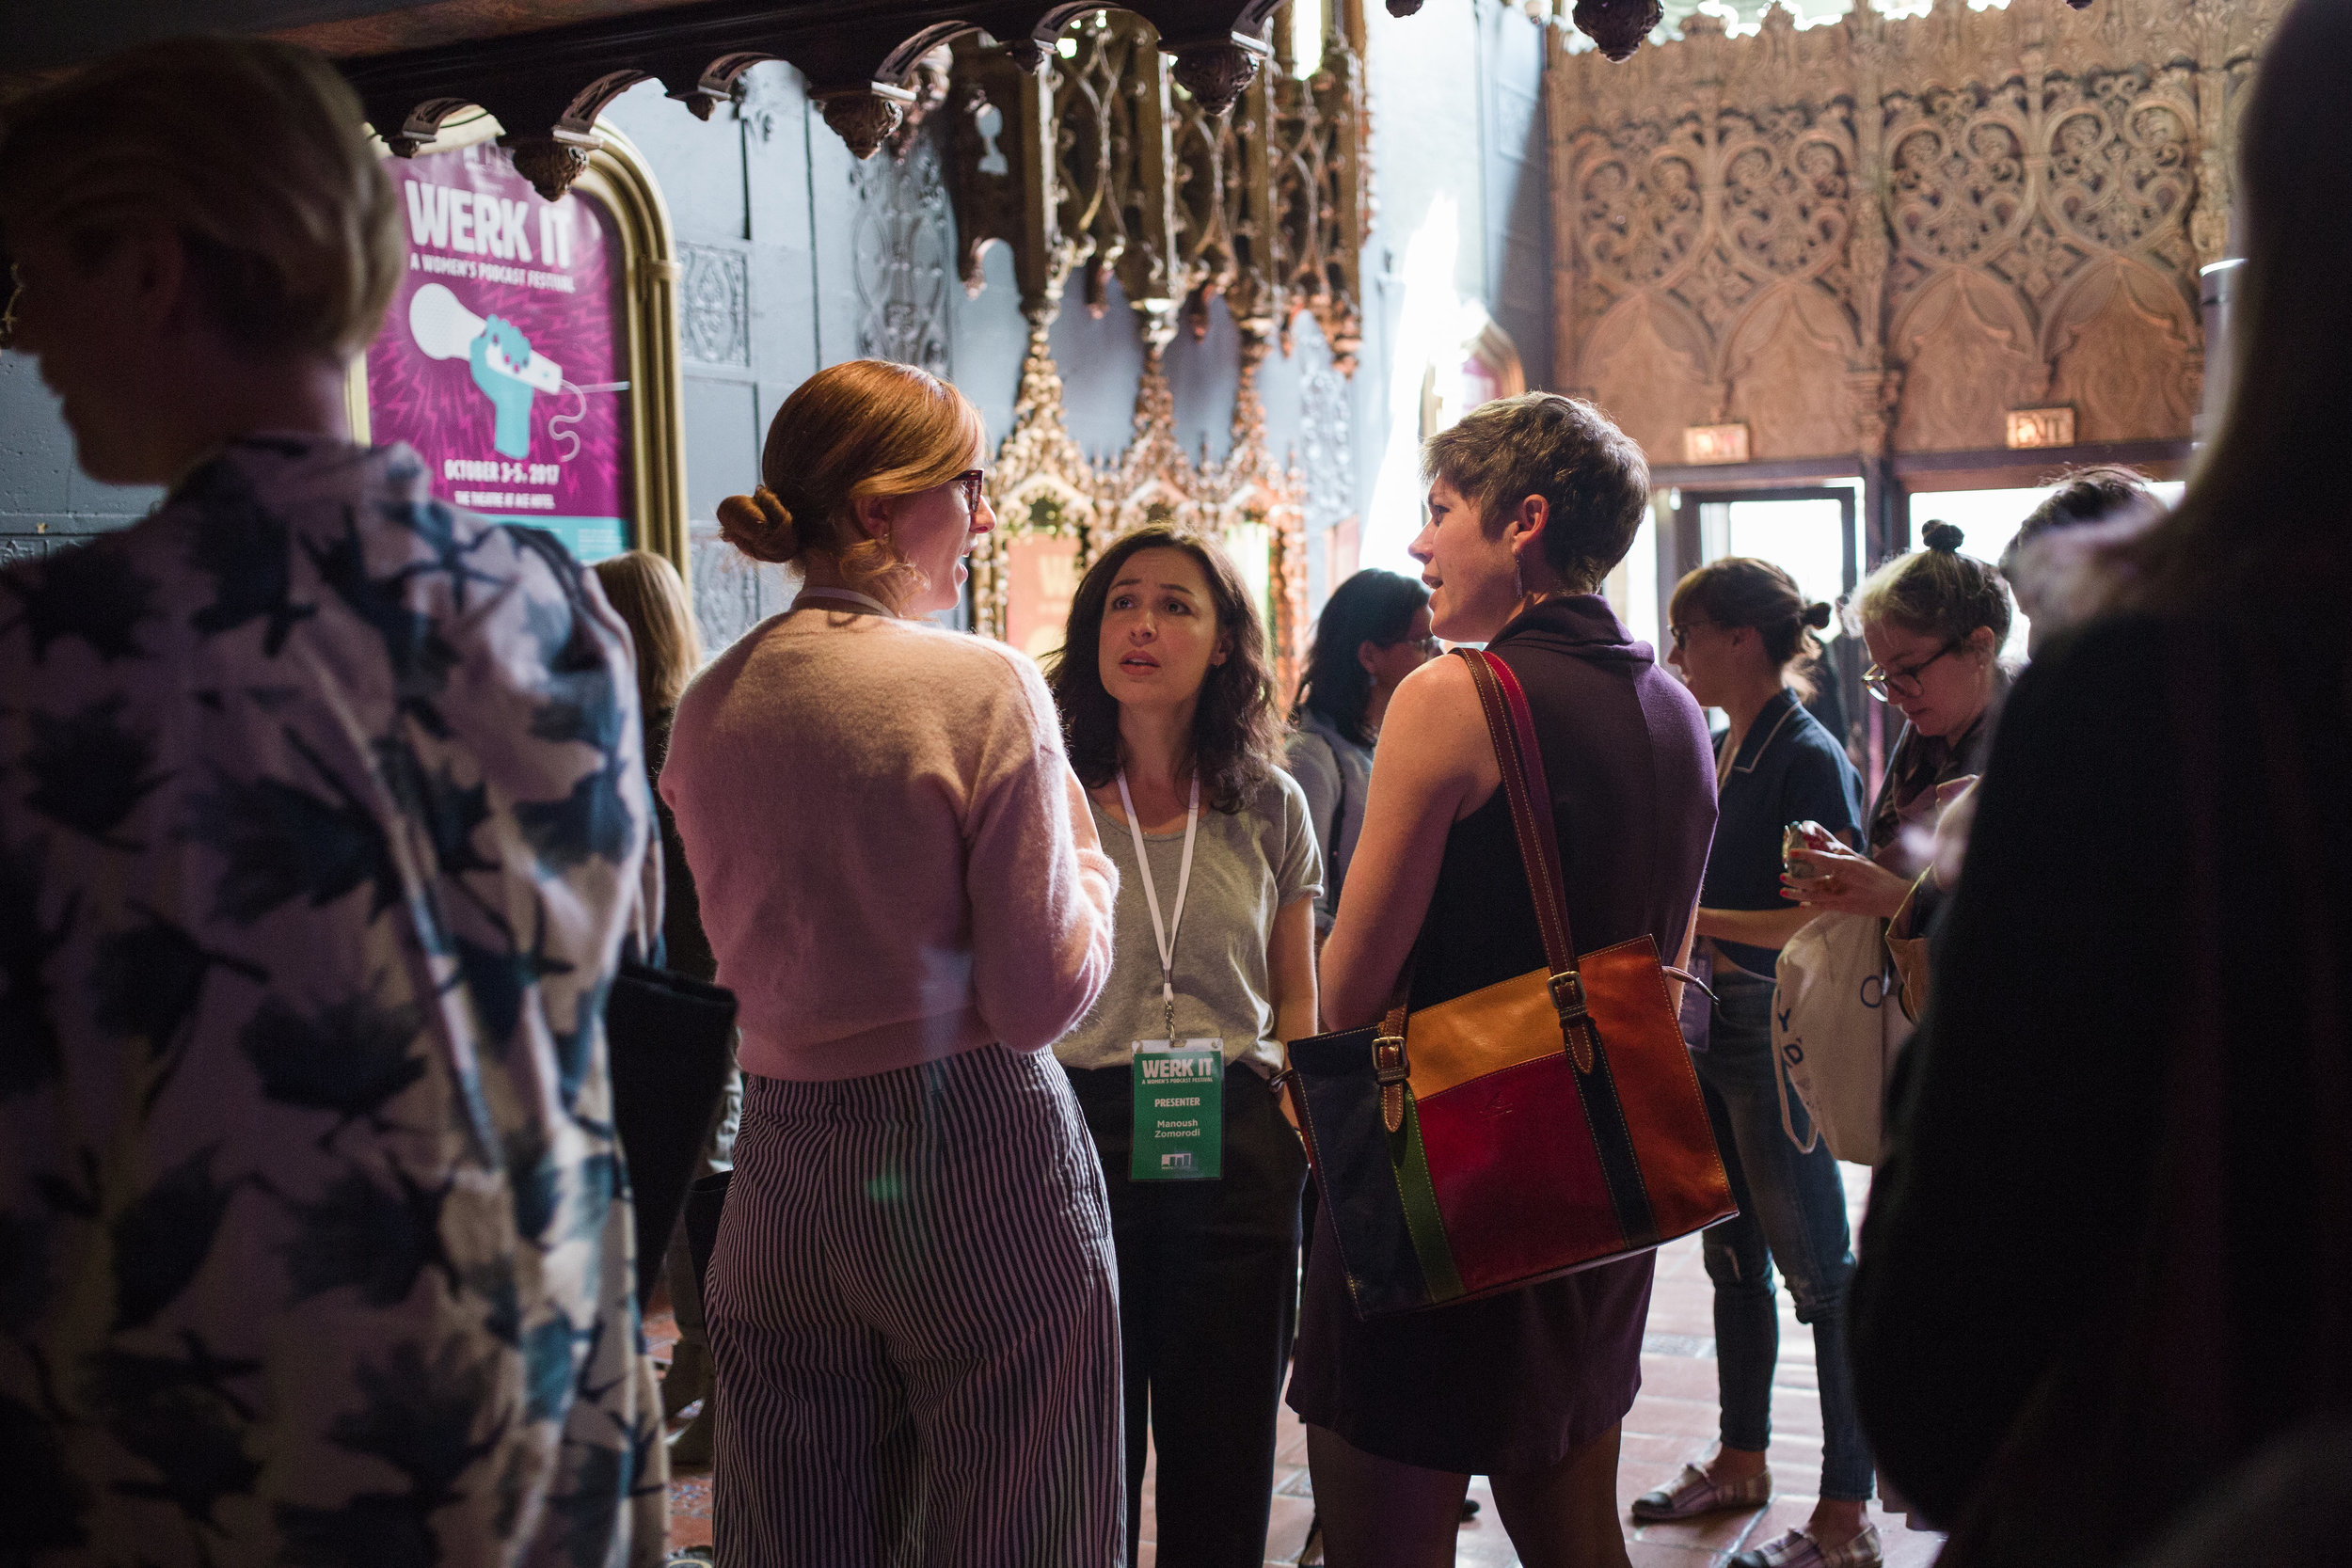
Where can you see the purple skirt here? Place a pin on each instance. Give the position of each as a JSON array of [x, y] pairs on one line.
[[1498, 1386]]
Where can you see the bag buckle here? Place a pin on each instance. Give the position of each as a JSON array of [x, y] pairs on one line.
[[1578, 1031], [1568, 994], [1390, 1070]]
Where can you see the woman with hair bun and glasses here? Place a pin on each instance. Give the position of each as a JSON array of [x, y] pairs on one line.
[[1374, 631], [1743, 636], [1166, 701], [911, 1304], [1935, 620]]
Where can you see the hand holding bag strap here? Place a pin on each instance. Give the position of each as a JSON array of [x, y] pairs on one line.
[[1512, 728]]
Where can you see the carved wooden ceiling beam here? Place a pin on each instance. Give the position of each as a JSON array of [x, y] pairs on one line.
[[1104, 164], [860, 59]]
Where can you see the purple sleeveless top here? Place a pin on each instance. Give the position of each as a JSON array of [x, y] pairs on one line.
[[1514, 1383]]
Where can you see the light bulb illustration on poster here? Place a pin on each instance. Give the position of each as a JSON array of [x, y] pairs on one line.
[[503, 358]]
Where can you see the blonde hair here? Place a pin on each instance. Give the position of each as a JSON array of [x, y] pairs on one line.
[[1937, 591], [649, 594], [253, 151], [861, 429]]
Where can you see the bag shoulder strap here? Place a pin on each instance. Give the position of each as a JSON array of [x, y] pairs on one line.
[[1511, 727]]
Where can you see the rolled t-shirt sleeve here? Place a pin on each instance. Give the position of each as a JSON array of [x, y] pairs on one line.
[[1298, 870], [1042, 908], [1315, 766]]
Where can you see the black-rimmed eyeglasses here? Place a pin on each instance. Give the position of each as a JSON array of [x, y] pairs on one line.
[[1903, 681]]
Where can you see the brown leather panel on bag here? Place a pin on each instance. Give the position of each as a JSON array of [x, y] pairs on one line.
[[1680, 1167]]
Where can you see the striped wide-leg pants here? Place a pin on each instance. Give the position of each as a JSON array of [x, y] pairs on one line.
[[914, 1310]]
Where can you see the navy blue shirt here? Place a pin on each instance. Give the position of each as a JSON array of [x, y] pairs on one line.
[[1789, 769]]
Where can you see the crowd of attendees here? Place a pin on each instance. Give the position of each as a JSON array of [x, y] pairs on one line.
[[330, 815]]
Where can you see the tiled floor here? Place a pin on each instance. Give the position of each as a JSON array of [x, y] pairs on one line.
[[1674, 1421]]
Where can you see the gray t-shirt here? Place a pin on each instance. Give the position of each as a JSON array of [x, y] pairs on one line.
[[1336, 773], [1244, 868]]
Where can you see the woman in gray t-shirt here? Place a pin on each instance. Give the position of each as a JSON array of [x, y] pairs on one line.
[[1163, 685], [1374, 631]]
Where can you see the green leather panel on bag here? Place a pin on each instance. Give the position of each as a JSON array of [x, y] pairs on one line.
[[1421, 1219]]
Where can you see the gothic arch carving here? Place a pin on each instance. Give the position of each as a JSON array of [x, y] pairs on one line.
[[1968, 354], [2123, 350], [1786, 366], [1646, 364], [1998, 206]]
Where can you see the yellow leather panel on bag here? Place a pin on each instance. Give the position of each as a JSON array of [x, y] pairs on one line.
[[1481, 1032]]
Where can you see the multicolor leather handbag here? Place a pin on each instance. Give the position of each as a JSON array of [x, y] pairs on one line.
[[1538, 1126]]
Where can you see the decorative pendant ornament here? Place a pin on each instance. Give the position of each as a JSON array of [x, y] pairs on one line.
[[550, 163], [1216, 74], [1617, 25], [865, 116]]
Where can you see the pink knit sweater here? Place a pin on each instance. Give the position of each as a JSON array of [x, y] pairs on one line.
[[875, 816]]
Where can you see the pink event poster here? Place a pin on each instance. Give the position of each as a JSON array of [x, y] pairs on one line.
[[503, 358]]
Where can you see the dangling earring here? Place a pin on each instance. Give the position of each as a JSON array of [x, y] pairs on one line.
[[1519, 576]]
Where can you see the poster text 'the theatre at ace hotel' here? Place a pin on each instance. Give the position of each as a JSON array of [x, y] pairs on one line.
[[503, 358]]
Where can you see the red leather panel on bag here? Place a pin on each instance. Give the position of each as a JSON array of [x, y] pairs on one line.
[[1515, 1174]]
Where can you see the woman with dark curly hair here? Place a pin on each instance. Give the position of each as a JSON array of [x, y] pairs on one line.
[[1166, 702]]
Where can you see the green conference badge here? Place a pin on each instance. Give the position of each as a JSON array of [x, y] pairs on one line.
[[1180, 1110]]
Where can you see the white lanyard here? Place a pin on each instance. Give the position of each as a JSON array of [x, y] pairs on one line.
[[851, 594], [1165, 934]]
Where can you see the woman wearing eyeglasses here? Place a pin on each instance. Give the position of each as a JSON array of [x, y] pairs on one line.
[[1935, 620], [1374, 631], [1743, 636], [913, 1306]]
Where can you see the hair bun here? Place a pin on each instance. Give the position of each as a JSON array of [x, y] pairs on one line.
[[1943, 536], [1818, 616], [760, 526]]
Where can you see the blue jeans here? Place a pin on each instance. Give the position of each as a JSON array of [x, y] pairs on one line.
[[1793, 1212]]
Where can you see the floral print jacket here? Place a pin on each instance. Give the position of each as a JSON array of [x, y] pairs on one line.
[[322, 823]]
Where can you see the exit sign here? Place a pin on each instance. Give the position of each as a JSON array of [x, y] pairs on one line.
[[1715, 443], [2042, 427]]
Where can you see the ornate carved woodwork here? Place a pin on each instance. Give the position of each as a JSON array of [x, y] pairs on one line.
[[1320, 186], [1215, 74], [1042, 483], [865, 65], [902, 255], [1890, 232], [1115, 162], [1259, 508], [865, 116], [1042, 486], [1109, 164]]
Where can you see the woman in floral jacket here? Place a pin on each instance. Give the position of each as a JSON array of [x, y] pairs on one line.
[[322, 825]]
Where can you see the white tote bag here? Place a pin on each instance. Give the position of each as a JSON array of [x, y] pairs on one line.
[[1837, 1022]]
